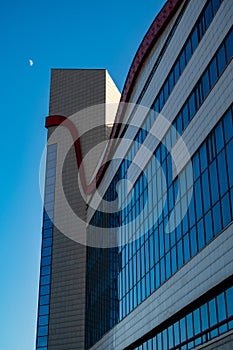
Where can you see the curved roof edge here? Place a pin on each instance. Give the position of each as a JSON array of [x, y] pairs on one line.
[[149, 40], [152, 35]]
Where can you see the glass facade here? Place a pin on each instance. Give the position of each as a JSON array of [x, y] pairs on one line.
[[204, 323], [102, 305], [195, 37], [46, 252], [150, 260], [142, 266]]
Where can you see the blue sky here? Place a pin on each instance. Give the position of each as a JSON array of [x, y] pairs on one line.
[[54, 34]]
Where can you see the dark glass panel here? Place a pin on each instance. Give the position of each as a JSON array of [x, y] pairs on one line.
[[198, 199], [43, 320], [182, 61], [229, 46], [214, 182], [45, 270], [42, 341], [204, 317], [221, 59], [208, 227], [228, 126], [46, 260], [219, 137], [42, 331], [47, 242], [188, 50], [45, 280], [192, 105], [208, 14], [229, 302], [205, 81], [194, 39], [193, 241], [171, 81], [47, 251], [177, 71], [226, 210], [216, 4], [206, 191], [203, 157], [168, 264], [174, 259], [186, 248], [180, 254], [43, 310], [217, 219], [229, 152], [222, 172], [213, 72], [200, 234]]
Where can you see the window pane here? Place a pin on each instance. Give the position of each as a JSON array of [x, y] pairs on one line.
[[216, 4], [194, 39], [208, 227], [229, 301], [44, 290], [217, 218], [219, 137], [186, 248], [204, 317], [228, 126], [213, 72], [221, 59], [182, 61], [226, 210], [193, 241], [229, 46], [206, 84], [42, 330], [223, 181], [188, 51], [229, 151], [192, 105], [43, 310], [43, 320], [208, 14], [42, 341], [206, 192], [214, 182], [200, 235]]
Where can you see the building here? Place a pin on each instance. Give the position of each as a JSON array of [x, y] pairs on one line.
[[155, 269]]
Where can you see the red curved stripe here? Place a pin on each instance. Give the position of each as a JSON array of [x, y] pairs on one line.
[[56, 120], [143, 51]]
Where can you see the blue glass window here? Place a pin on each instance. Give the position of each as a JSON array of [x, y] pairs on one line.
[[229, 46], [213, 72], [42, 331]]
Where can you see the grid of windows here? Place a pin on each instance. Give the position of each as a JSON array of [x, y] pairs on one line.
[[186, 53], [204, 323], [46, 252], [199, 93], [196, 35], [101, 287], [150, 260]]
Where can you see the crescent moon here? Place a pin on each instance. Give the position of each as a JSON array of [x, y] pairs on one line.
[[31, 62]]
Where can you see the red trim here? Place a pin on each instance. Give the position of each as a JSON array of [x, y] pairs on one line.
[[56, 120], [143, 51]]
